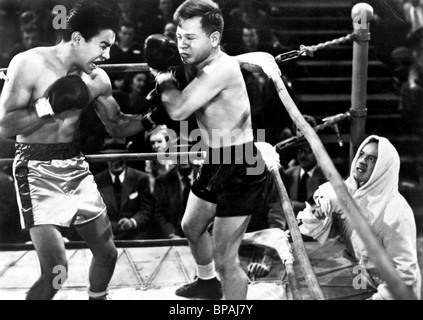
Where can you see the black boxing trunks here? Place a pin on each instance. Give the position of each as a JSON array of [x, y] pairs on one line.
[[54, 186], [235, 179]]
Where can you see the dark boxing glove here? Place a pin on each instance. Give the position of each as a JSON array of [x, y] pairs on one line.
[[161, 52], [156, 113], [67, 93]]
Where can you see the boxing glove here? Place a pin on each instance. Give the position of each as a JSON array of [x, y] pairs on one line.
[[67, 93], [156, 113], [161, 52]]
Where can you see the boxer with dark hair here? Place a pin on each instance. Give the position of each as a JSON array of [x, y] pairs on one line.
[[223, 194], [41, 105]]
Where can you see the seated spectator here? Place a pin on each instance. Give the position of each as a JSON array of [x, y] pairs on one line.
[[251, 42], [413, 14], [127, 195], [125, 50], [373, 184], [4, 50], [170, 31], [288, 155], [167, 9], [40, 15], [159, 139], [156, 21], [171, 192], [137, 85], [409, 77], [246, 14], [125, 10], [303, 179], [131, 98], [30, 39]]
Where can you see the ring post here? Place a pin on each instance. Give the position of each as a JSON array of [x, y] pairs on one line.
[[297, 240], [361, 14]]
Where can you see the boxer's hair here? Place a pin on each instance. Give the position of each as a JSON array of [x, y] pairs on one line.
[[89, 18], [209, 11]]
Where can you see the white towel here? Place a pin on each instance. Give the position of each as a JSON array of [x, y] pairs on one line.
[[319, 229]]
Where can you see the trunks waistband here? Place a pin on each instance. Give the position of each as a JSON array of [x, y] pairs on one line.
[[237, 154], [47, 152]]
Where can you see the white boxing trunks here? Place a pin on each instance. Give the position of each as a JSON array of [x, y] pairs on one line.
[[55, 186]]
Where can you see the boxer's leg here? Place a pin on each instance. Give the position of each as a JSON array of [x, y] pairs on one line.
[[197, 218], [99, 238], [196, 221], [227, 237], [49, 244]]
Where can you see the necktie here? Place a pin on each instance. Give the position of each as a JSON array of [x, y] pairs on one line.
[[117, 185], [302, 188], [186, 185]]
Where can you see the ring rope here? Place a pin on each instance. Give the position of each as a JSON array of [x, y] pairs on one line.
[[123, 67], [143, 67], [328, 122], [309, 50]]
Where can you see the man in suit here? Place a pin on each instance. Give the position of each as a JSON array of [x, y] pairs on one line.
[[303, 179], [127, 195], [171, 193]]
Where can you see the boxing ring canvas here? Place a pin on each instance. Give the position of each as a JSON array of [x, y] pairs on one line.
[[154, 273]]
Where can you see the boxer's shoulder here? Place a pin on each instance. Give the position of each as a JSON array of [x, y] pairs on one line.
[[98, 82], [26, 68], [223, 67]]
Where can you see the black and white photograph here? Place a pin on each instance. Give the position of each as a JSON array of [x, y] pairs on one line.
[[206, 152]]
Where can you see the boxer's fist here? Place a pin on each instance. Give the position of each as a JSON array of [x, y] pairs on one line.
[[161, 52], [156, 114], [67, 93]]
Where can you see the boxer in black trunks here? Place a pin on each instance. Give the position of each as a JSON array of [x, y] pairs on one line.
[[227, 191], [41, 105]]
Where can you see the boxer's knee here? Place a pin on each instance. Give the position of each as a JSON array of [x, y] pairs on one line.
[[106, 257]]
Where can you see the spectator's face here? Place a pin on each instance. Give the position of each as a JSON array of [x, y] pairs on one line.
[[117, 167], [366, 163], [139, 82], [124, 5], [126, 35], [30, 39], [250, 37], [185, 169], [166, 6], [170, 31], [306, 158], [158, 142]]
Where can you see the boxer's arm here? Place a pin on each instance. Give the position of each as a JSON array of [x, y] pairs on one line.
[[199, 93], [118, 124], [17, 116]]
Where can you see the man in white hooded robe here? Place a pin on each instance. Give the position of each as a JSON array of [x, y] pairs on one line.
[[373, 184]]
